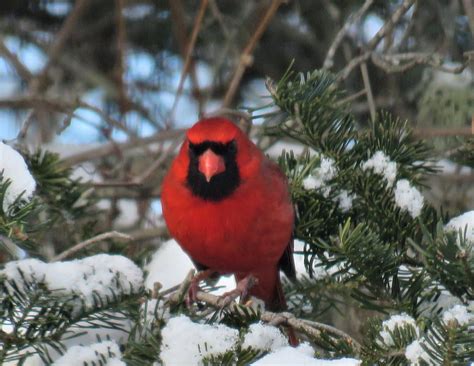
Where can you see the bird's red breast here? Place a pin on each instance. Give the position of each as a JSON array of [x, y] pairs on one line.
[[228, 205]]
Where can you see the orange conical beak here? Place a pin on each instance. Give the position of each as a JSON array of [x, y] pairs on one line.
[[211, 164]]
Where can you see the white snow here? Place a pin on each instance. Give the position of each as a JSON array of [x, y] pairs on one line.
[[381, 164], [319, 272], [408, 198], [169, 266], [415, 353], [396, 321], [14, 168], [461, 222], [459, 314], [449, 167], [187, 343], [264, 337], [99, 275], [344, 198], [317, 180], [103, 353], [302, 355]]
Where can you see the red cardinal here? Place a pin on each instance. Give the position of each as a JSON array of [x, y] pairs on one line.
[[229, 208]]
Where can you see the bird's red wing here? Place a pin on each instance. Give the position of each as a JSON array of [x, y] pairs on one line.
[[286, 262]]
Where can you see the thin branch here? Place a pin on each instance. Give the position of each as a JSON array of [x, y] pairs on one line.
[[403, 61], [120, 68], [442, 132], [352, 97], [25, 125], [387, 27], [13, 60], [246, 59], [60, 40], [91, 241], [60, 105], [353, 18], [188, 58], [108, 148], [179, 28], [346, 71], [469, 9], [368, 89]]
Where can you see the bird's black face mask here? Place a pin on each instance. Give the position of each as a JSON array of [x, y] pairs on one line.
[[213, 173]]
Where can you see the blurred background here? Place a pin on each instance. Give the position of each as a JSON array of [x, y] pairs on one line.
[[111, 84]]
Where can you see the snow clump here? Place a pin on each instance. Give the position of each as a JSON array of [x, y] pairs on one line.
[[106, 352], [317, 180], [14, 168], [264, 337], [100, 275], [302, 355], [408, 198], [187, 343], [396, 321], [381, 164]]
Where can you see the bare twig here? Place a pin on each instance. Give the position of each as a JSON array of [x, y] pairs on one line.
[[401, 62], [387, 27], [406, 34], [352, 97], [158, 162], [179, 28], [188, 58], [245, 59], [353, 18], [13, 60], [148, 233], [179, 295], [91, 241], [38, 82], [119, 71], [10, 246], [106, 149], [368, 89], [442, 132], [469, 9], [218, 15], [25, 125]]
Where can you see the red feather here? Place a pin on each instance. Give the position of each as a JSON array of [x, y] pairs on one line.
[[246, 232]]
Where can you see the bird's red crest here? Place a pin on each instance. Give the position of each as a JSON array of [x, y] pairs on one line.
[[216, 129]]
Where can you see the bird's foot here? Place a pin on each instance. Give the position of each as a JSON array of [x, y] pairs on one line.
[[242, 290], [194, 286]]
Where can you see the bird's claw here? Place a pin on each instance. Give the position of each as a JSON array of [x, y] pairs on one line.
[[242, 290], [194, 286], [192, 293]]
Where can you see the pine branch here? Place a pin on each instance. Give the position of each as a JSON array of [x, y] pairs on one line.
[[316, 331]]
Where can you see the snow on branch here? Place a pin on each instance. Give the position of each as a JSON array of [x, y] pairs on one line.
[[103, 353], [100, 276], [14, 169], [312, 329]]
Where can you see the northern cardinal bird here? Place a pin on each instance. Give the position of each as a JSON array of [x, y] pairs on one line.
[[229, 208]]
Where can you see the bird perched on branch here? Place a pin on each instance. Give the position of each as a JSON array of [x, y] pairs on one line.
[[229, 208]]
